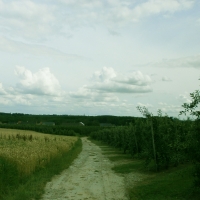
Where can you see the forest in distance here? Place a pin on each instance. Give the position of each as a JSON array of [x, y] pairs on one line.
[[14, 118]]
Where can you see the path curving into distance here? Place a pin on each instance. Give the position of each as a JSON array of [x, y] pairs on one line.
[[89, 178]]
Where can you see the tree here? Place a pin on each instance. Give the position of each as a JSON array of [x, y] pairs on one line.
[[193, 109], [144, 111], [193, 106]]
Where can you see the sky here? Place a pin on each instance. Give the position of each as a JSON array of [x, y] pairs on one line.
[[98, 57]]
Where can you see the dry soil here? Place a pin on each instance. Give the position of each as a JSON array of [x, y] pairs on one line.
[[89, 177]]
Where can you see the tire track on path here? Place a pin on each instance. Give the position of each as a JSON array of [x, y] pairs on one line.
[[89, 178]]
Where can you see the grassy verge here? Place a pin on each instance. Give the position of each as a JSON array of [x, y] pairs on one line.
[[173, 184], [33, 187], [176, 183], [134, 166]]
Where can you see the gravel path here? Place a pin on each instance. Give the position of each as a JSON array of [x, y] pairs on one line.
[[89, 177]]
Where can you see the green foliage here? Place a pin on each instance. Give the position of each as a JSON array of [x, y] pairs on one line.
[[193, 109], [193, 106], [166, 141]]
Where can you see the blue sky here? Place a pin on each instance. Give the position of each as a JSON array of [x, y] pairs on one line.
[[98, 57]]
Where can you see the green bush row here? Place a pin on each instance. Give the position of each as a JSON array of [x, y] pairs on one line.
[[174, 140]]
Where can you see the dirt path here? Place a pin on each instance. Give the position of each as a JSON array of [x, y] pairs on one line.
[[89, 177]]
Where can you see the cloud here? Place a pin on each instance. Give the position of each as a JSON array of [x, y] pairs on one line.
[[153, 7], [107, 80], [42, 82], [147, 105], [166, 79], [105, 74], [2, 90], [190, 61], [28, 19], [85, 93], [111, 87], [4, 101], [21, 100], [136, 78], [83, 3], [106, 85], [43, 19], [169, 108], [184, 98], [36, 50], [12, 97]]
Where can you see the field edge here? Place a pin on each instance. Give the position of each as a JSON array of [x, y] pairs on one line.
[[34, 187]]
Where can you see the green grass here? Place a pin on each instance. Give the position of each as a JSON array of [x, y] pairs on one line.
[[108, 149], [124, 157], [33, 188], [135, 165], [99, 143], [111, 153], [173, 184]]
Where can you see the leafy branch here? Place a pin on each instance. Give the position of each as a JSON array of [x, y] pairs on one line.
[[191, 107]]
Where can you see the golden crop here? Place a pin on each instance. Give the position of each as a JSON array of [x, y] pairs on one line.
[[30, 150]]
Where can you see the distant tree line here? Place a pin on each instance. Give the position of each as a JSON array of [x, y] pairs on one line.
[[63, 119], [56, 130]]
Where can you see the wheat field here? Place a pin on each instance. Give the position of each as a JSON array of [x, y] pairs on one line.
[[30, 150]]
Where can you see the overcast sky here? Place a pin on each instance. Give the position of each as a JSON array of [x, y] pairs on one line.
[[98, 57]]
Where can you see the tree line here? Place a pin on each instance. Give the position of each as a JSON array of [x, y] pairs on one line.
[[56, 130], [63, 119]]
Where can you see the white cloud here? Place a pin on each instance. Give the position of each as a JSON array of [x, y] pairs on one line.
[[106, 86], [124, 12], [85, 93], [135, 78], [13, 98], [147, 105], [184, 98], [128, 11], [43, 19], [21, 100], [2, 90], [106, 74], [108, 81], [152, 7], [111, 87], [169, 108], [27, 18], [83, 3], [16, 47], [190, 61], [4, 101], [166, 79], [42, 82]]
